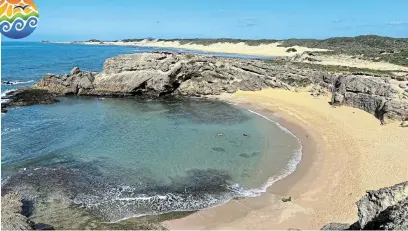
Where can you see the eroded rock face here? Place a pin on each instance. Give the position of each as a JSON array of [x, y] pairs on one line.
[[11, 217], [375, 95]]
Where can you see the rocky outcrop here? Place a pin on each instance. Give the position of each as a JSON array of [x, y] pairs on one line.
[[383, 209], [11, 213], [161, 73], [75, 83], [375, 95]]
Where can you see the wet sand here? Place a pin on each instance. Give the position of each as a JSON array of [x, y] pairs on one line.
[[345, 153]]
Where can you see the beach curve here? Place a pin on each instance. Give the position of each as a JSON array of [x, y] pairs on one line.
[[331, 175]]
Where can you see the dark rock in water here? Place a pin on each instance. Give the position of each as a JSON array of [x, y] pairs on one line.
[[4, 108], [11, 213], [7, 83], [383, 209], [246, 155], [30, 96], [336, 226], [218, 149]]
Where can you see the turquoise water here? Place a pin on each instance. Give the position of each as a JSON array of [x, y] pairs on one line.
[[121, 158]]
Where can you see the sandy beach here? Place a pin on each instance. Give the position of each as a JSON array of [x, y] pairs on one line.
[[346, 152]]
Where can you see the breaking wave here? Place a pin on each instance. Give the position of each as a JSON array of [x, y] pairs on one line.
[[16, 82]]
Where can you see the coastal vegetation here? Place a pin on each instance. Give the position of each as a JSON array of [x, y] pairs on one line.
[[368, 47]]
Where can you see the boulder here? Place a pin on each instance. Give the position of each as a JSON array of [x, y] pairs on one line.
[[11, 213], [75, 71], [383, 209], [386, 207]]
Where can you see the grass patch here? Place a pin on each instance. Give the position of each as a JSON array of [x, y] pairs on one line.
[[332, 68]]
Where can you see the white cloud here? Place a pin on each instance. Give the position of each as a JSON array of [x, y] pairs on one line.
[[396, 23]]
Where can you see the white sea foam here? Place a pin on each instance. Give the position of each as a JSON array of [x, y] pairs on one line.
[[10, 130], [292, 163], [4, 93], [16, 82]]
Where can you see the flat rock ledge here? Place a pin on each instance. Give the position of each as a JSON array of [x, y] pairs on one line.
[[27, 96], [159, 74]]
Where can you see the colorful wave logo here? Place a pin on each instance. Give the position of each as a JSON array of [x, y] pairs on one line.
[[18, 18]]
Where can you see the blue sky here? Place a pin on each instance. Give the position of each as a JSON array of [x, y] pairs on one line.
[[66, 20]]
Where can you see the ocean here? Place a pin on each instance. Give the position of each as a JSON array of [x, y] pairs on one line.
[[115, 159]]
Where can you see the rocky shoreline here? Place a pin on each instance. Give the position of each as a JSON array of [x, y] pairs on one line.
[[160, 74], [383, 209]]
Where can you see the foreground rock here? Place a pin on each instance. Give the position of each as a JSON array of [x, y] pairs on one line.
[[11, 213], [383, 209], [158, 74], [386, 208]]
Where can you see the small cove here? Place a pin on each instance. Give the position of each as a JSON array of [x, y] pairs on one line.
[[114, 159]]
